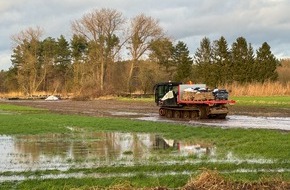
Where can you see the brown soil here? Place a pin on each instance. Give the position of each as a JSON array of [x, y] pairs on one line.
[[108, 107], [266, 111], [93, 108]]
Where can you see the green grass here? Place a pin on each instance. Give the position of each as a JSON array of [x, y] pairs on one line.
[[8, 107], [138, 181], [258, 101], [244, 144], [126, 99], [93, 183], [275, 101]]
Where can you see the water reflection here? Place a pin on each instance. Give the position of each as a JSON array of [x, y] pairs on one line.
[[62, 151], [184, 148]]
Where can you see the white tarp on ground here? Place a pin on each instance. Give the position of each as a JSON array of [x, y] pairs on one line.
[[52, 98]]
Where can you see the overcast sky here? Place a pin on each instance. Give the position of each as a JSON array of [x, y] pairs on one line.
[[189, 21]]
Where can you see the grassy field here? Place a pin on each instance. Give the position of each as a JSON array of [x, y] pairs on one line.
[[242, 154], [274, 101]]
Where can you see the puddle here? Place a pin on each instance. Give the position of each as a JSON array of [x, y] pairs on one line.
[[241, 121], [82, 149], [131, 114], [281, 123], [91, 150], [122, 113]]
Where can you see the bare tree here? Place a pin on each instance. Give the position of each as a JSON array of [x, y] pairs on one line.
[[102, 29], [143, 31], [25, 58]]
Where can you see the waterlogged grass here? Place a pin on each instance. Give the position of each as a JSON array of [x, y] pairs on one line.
[[243, 142], [256, 143], [222, 167], [140, 180], [121, 183], [275, 101], [258, 152]]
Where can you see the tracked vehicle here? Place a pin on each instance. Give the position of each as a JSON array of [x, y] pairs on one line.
[[191, 101]]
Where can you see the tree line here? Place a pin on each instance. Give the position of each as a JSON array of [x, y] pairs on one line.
[[108, 54]]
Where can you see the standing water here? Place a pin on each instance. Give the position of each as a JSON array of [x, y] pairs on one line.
[[64, 151]]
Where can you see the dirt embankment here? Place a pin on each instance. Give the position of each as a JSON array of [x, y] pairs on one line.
[[109, 107]]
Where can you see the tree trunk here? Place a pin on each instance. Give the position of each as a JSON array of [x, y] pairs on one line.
[[130, 76]]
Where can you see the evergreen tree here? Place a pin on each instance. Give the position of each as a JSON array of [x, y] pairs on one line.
[[80, 66], [26, 58], [63, 68], [183, 62], [48, 58], [79, 48], [63, 52], [222, 62], [203, 63], [11, 80], [242, 56], [266, 64], [250, 65], [161, 53]]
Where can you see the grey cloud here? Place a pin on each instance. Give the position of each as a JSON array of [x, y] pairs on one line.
[[186, 20]]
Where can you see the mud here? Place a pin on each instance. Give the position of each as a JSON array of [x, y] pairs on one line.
[[239, 116]]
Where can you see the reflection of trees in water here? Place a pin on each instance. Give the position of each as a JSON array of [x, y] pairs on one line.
[[184, 148], [100, 146], [36, 145], [162, 143]]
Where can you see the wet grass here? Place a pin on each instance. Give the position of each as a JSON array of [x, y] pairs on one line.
[[140, 181], [144, 181], [273, 101], [243, 142], [256, 143], [238, 149]]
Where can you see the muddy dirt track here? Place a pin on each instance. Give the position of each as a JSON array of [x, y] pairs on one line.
[[239, 116]]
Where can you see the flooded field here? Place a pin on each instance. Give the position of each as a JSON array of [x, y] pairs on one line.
[[234, 121], [51, 151], [80, 149]]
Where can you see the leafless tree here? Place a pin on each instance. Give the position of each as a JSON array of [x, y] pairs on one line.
[[102, 29], [143, 31], [26, 48]]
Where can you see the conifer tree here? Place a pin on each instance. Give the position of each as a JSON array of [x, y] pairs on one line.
[[222, 62], [241, 66], [161, 52], [266, 64], [80, 67], [203, 63], [48, 61], [183, 62], [250, 65], [63, 68]]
